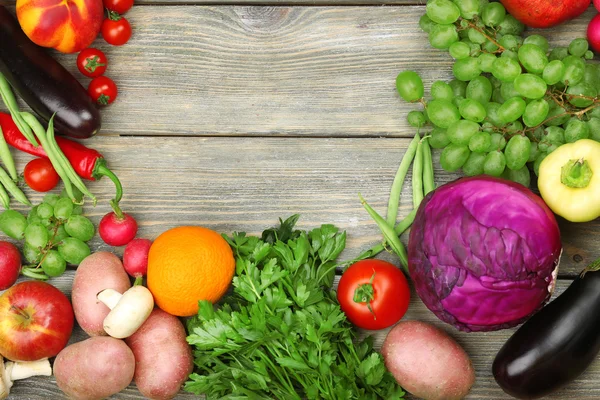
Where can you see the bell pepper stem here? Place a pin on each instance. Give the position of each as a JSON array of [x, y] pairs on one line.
[[576, 173], [102, 170]]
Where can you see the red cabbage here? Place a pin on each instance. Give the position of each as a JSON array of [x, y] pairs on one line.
[[483, 253]]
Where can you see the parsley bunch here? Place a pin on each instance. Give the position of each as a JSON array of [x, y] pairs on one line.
[[281, 334]]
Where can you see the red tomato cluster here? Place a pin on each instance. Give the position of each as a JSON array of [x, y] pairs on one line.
[[92, 62]]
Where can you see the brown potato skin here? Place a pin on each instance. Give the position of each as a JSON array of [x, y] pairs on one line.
[[94, 368], [163, 358], [98, 271], [427, 362]]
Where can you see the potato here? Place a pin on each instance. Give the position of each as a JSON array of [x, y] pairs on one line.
[[95, 368], [99, 271], [427, 362], [163, 357]]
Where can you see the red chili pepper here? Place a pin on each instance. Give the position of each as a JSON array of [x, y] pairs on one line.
[[87, 163]]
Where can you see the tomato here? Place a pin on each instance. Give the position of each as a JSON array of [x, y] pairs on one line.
[[118, 6], [373, 294], [91, 62], [40, 175], [116, 29], [103, 90]]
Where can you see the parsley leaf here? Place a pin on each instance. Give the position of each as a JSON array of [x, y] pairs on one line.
[[281, 334]]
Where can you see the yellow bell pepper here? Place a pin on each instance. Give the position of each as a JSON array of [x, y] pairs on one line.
[[569, 180]]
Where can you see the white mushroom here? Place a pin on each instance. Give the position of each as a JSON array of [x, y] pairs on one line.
[[128, 310], [13, 371]]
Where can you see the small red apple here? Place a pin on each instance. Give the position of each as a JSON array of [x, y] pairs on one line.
[[36, 321], [10, 264], [545, 13]]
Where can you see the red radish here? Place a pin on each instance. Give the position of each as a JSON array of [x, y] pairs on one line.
[[117, 228], [10, 264], [135, 257], [597, 4], [593, 32]]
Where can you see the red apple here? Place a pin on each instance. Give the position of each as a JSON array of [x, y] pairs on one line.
[[10, 264], [545, 13], [36, 320]]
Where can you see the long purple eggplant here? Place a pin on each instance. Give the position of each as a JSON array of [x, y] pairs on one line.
[[45, 85], [555, 345]]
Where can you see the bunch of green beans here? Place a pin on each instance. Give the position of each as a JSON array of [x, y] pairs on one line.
[[8, 180], [10, 101], [59, 161], [418, 154]]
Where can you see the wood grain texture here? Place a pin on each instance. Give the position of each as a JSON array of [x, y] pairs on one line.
[[246, 184], [260, 70], [482, 348]]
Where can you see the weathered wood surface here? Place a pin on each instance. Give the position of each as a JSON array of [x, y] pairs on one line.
[[236, 115], [290, 71]]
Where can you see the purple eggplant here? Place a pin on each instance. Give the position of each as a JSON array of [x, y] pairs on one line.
[[45, 85], [555, 345]]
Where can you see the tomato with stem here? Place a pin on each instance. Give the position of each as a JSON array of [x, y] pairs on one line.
[[374, 294], [40, 175], [115, 29], [103, 90], [118, 6], [92, 62]]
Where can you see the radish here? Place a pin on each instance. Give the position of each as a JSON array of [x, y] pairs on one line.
[[10, 264], [135, 257], [597, 4], [593, 32], [117, 228]]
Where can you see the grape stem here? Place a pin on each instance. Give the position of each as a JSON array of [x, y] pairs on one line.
[[44, 251], [483, 32]]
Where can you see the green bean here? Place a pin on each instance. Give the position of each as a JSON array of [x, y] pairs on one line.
[[11, 103], [417, 176], [389, 234], [40, 133], [399, 230], [33, 272], [428, 181], [396, 190], [12, 188], [7, 157], [75, 179], [4, 199]]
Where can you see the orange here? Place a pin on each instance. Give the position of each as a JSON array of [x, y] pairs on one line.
[[187, 264]]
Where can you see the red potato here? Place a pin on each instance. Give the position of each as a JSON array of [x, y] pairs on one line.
[[427, 362], [94, 368], [99, 271], [163, 358]]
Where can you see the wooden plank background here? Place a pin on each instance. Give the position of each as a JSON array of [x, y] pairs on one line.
[[231, 116]]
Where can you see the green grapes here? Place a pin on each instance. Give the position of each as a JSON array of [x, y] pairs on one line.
[[442, 113], [54, 234], [13, 224], [512, 100], [409, 86], [442, 11]]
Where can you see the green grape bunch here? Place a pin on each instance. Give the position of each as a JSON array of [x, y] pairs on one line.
[[512, 101], [53, 234]]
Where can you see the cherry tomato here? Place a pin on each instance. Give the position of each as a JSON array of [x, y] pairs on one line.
[[118, 6], [40, 175], [92, 62], [103, 90], [116, 29], [373, 294]]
